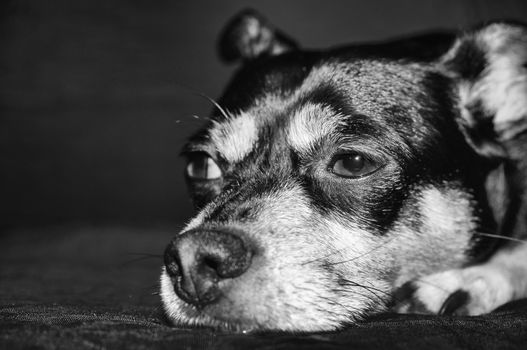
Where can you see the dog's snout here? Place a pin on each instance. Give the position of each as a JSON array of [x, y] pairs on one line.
[[199, 260]]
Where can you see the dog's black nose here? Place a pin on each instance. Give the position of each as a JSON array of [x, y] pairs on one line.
[[199, 259]]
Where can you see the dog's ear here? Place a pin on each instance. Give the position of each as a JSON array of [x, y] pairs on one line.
[[489, 66], [249, 35]]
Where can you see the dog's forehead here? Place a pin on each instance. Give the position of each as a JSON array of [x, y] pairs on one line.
[[236, 137], [330, 95]]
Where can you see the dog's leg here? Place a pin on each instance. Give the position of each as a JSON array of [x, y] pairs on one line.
[[468, 291]]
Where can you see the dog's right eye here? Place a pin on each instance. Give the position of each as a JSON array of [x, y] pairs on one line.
[[201, 166], [354, 165]]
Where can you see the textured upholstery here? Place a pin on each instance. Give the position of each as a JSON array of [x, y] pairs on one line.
[[88, 288]]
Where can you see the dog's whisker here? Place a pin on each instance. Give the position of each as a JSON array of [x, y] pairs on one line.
[[331, 302], [153, 285], [369, 288], [373, 290], [205, 96], [150, 289], [506, 238], [335, 252], [323, 257], [216, 104], [355, 292], [363, 254], [192, 118]]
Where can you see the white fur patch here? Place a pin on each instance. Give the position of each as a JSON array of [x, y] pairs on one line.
[[442, 240], [235, 138], [447, 211], [513, 260], [310, 125]]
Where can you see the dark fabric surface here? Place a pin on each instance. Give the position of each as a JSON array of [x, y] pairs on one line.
[[87, 288]]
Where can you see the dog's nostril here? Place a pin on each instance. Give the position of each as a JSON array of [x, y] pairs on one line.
[[171, 264], [172, 268], [199, 260], [211, 263]]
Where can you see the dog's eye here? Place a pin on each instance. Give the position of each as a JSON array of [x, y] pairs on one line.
[[201, 166], [353, 165]]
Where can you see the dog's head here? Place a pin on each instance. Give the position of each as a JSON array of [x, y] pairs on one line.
[[326, 179]]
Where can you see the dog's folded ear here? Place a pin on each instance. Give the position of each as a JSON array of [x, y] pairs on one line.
[[489, 68], [489, 65], [249, 35]]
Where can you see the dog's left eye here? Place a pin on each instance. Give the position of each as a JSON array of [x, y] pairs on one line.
[[353, 165], [201, 166]]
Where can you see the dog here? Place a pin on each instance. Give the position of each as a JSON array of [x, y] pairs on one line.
[[337, 184]]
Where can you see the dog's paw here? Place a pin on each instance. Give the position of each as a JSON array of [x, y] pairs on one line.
[[471, 291]]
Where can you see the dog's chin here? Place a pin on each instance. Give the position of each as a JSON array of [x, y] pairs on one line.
[[253, 318]]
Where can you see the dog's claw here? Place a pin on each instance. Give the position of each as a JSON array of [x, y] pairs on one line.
[[455, 304]]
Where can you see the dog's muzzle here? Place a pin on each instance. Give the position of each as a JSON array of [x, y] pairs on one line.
[[201, 262]]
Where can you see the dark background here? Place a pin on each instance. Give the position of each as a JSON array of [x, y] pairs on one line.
[[92, 112]]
